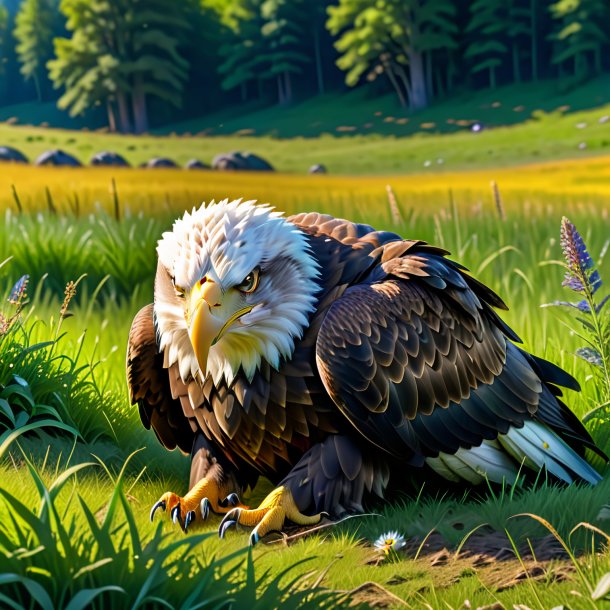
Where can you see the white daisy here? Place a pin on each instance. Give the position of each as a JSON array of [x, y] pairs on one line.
[[390, 541]]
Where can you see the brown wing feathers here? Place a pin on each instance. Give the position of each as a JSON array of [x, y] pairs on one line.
[[149, 385]]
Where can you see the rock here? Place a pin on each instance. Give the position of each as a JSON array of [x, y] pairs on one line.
[[318, 168], [57, 157], [157, 162], [8, 153], [110, 159], [241, 161], [196, 164]]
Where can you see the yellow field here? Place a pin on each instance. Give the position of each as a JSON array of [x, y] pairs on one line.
[[541, 187]]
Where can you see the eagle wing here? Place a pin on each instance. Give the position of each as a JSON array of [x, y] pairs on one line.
[[159, 392], [416, 358]]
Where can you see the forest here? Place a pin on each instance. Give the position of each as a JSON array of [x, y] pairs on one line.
[[130, 60]]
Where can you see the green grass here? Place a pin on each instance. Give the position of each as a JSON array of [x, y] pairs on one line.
[[517, 257], [422, 142]]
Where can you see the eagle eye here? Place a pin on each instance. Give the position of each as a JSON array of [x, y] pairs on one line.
[[180, 292], [250, 282]]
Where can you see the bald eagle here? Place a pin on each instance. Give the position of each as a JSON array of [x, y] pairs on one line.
[[335, 360]]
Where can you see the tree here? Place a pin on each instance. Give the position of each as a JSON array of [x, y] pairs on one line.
[[35, 25], [581, 33], [120, 50], [153, 61], [282, 32], [397, 37], [245, 51]]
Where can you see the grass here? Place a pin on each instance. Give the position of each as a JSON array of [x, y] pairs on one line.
[[517, 256], [357, 134]]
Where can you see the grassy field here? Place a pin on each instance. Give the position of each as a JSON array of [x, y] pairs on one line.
[[368, 136], [74, 230]]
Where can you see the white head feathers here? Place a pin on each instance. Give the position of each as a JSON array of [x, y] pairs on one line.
[[226, 241]]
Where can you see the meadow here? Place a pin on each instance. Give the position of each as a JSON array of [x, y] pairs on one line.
[[74, 516]]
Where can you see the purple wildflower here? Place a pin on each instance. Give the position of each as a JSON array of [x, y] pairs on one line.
[[19, 290], [580, 275]]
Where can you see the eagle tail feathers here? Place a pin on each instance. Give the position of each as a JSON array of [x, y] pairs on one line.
[[534, 445]]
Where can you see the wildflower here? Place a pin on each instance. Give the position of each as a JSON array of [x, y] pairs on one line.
[[581, 276], [19, 290], [582, 146], [390, 541], [476, 128]]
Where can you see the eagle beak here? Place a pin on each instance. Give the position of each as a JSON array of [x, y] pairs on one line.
[[205, 326]]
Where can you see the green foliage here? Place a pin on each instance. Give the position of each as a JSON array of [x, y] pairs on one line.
[[118, 49], [3, 31], [580, 34], [67, 556], [267, 44], [390, 37], [35, 26]]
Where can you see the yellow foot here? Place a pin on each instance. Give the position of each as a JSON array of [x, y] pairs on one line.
[[278, 506], [205, 496]]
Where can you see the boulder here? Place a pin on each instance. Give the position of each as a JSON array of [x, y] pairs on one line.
[[8, 153], [196, 164], [57, 157], [158, 162], [318, 168], [109, 159], [241, 161]]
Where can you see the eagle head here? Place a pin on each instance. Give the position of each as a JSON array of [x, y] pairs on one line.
[[239, 286]]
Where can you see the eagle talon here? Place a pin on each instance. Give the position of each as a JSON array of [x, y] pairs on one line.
[[190, 517], [225, 524], [205, 508], [160, 504], [175, 515], [231, 500]]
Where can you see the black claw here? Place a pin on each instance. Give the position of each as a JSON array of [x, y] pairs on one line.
[[160, 504], [232, 499], [190, 517], [224, 526], [254, 538], [176, 515], [205, 508]]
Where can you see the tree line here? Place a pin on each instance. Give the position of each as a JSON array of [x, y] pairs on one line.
[[189, 57]]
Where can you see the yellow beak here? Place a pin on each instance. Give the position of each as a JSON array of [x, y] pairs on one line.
[[205, 326]]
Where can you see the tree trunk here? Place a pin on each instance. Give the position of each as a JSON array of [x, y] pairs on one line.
[[243, 88], [318, 59], [492, 77], [419, 98], [400, 73], [124, 120], [429, 74], [288, 81], [387, 68], [534, 40], [280, 90], [516, 66], [138, 103], [37, 86], [111, 117]]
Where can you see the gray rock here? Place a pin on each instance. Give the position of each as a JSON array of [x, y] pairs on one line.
[[158, 162], [241, 161], [57, 157], [110, 159], [318, 168], [8, 153], [196, 164]]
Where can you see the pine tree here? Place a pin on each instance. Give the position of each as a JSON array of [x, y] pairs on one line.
[[35, 25], [488, 48], [120, 50], [581, 34], [283, 30]]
